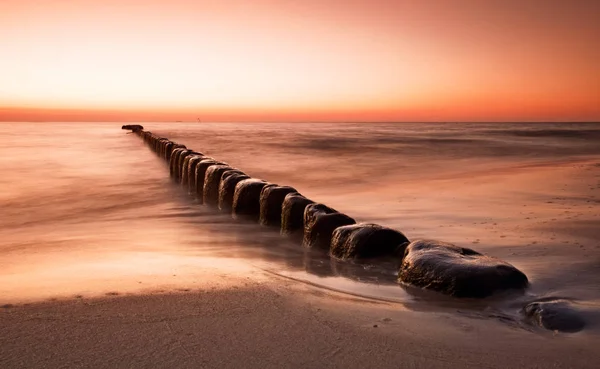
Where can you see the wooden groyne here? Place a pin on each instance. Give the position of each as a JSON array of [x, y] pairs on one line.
[[434, 265], [428, 264]]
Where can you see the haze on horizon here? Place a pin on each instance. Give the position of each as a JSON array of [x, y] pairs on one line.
[[311, 60]]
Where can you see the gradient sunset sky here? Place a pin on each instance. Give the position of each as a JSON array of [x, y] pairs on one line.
[[300, 60]]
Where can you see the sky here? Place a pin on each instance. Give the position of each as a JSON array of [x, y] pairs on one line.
[[290, 60]]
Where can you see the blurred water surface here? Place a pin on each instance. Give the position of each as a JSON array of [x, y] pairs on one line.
[[87, 208]]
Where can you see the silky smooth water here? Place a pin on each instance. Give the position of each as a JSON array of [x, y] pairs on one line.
[[87, 208]]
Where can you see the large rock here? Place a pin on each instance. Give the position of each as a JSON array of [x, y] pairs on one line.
[[457, 271], [555, 315], [367, 241], [246, 198], [201, 169], [271, 200], [212, 180], [319, 223], [227, 188], [292, 213]]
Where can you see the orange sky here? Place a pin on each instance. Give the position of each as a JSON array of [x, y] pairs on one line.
[[309, 60]]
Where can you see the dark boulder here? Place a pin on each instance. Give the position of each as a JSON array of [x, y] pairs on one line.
[[319, 223], [246, 198], [271, 200], [457, 271], [367, 241], [227, 188], [212, 180], [555, 315], [292, 213]]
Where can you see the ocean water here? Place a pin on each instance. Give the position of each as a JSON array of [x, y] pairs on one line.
[[87, 208]]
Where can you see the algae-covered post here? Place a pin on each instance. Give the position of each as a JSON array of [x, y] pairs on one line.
[[271, 201], [179, 164], [200, 175], [246, 198], [185, 171], [174, 160], [292, 213], [319, 223], [367, 241], [227, 188], [191, 172], [212, 180]]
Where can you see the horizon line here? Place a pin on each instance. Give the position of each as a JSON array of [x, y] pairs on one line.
[[309, 121]]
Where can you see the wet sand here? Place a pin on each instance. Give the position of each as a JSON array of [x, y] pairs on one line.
[[271, 322], [109, 264]]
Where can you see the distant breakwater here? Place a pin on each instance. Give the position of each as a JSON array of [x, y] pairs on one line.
[[428, 264]]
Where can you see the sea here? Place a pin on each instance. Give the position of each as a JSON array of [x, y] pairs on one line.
[[88, 208]]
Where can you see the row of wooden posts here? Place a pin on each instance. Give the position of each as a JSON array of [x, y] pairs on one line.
[[217, 184], [428, 264]]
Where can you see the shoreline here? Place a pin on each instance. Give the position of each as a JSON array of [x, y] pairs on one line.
[[272, 322]]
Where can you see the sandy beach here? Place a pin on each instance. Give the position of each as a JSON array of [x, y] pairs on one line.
[[272, 322]]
